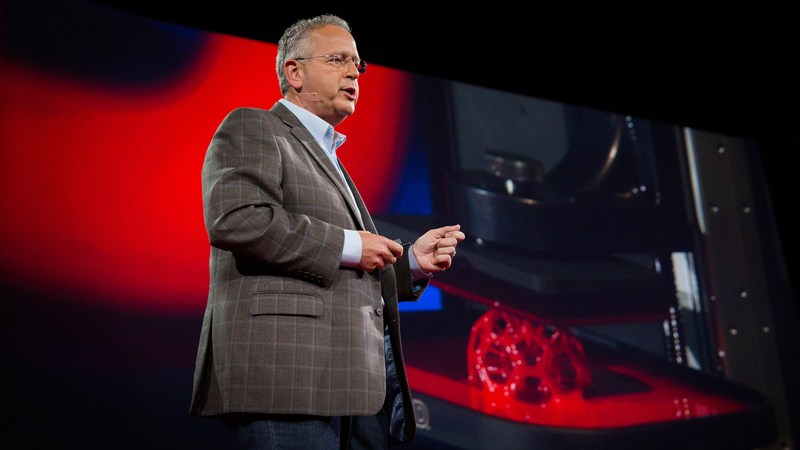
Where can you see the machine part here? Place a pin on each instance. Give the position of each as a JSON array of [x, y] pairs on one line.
[[513, 358], [514, 166]]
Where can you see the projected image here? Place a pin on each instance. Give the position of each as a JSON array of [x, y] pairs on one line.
[[563, 321]]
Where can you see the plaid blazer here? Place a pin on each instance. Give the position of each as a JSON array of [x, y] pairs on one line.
[[287, 330]]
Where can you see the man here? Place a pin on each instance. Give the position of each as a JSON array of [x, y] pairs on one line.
[[300, 344]]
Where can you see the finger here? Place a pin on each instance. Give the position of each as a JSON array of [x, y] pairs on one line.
[[395, 248], [447, 242], [449, 251], [386, 258], [457, 235], [443, 231], [372, 265]]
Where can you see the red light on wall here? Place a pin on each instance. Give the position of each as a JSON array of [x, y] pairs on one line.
[[101, 185]]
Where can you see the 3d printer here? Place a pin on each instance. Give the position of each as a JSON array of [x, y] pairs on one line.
[[574, 316]]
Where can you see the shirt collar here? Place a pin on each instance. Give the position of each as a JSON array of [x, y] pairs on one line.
[[322, 131]]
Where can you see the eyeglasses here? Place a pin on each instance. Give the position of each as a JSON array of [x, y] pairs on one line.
[[338, 61]]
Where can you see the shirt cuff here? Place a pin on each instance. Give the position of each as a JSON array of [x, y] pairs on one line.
[[351, 252], [416, 273]]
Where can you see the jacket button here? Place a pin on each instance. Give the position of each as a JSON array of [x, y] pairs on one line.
[[379, 311]]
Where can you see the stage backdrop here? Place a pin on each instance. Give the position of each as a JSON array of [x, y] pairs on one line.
[[105, 117]]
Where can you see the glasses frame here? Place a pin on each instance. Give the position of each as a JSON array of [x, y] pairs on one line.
[[337, 60]]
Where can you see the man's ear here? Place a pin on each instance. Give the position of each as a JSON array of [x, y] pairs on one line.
[[294, 73]]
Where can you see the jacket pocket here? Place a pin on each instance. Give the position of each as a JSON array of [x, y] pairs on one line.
[[286, 303]]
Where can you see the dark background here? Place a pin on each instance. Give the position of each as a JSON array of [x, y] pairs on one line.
[[717, 66]]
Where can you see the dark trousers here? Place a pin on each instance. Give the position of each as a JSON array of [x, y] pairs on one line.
[[270, 431]]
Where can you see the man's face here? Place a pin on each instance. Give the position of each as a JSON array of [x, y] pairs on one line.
[[330, 91]]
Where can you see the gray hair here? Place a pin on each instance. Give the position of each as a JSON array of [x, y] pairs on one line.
[[294, 42]]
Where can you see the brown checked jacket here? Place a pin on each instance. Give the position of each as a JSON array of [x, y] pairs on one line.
[[286, 329]]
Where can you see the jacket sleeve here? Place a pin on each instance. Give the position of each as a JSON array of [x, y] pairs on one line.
[[407, 288], [246, 202]]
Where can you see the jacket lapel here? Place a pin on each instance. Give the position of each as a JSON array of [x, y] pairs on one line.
[[364, 217], [304, 136]]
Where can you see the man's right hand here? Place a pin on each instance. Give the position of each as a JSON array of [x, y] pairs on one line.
[[377, 251]]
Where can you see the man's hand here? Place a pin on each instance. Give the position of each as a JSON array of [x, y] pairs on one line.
[[377, 251], [436, 248]]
